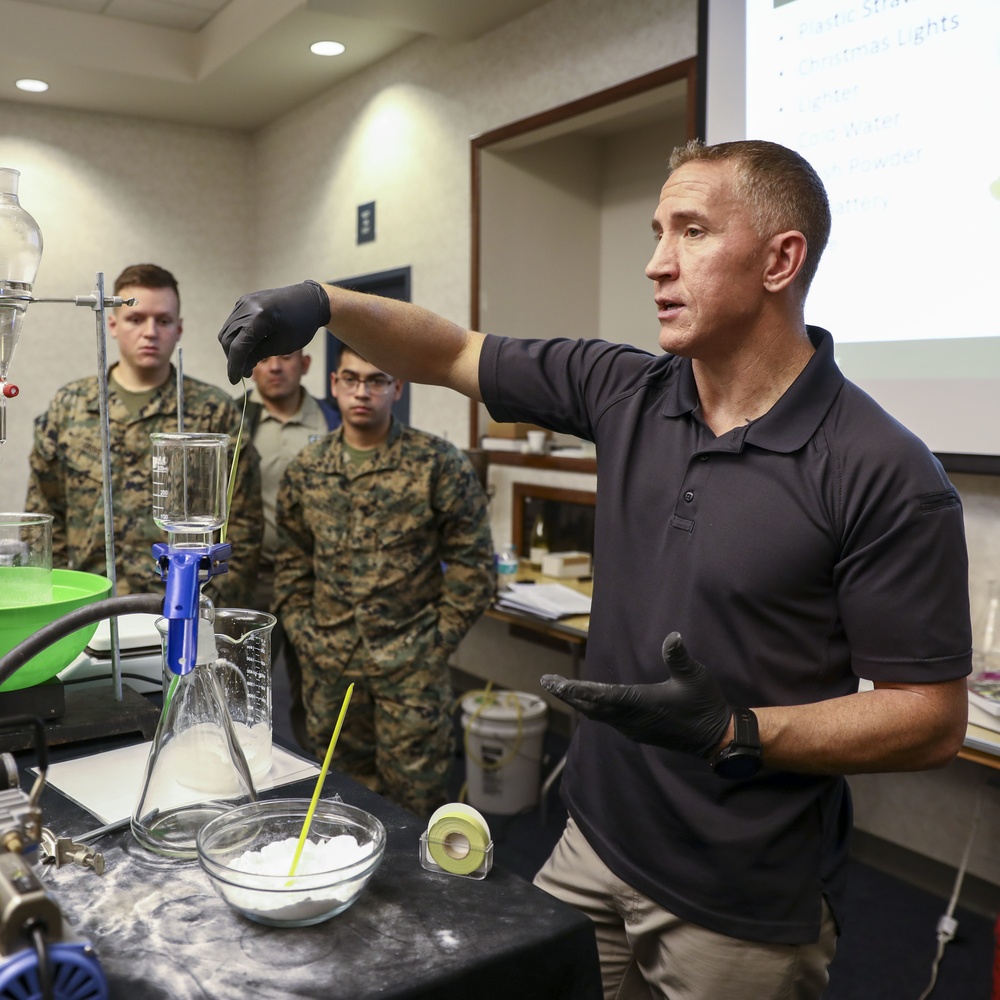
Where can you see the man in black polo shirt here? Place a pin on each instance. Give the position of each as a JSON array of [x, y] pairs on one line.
[[755, 503]]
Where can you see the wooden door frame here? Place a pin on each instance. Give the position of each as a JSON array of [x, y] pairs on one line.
[[686, 69]]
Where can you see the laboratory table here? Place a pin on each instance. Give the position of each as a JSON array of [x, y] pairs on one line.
[[160, 931]]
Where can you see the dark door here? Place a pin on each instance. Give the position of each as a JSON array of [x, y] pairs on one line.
[[394, 284]]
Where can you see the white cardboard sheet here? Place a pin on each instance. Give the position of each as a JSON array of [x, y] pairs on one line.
[[108, 784]]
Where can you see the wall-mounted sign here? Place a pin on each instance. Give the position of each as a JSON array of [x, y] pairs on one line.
[[366, 223]]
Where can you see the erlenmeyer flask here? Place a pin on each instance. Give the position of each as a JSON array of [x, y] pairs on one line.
[[196, 768]]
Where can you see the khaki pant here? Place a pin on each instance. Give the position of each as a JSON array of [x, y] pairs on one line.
[[649, 954]]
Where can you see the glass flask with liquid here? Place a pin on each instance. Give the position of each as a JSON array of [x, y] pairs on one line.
[[196, 768], [242, 665]]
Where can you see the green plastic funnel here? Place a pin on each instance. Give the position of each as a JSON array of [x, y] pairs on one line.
[[71, 589]]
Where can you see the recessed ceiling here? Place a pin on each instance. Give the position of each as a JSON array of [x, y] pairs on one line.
[[226, 63]]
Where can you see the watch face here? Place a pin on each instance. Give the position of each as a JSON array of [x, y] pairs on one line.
[[738, 764]]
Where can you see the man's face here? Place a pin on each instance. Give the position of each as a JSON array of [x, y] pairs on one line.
[[278, 378], [148, 331], [707, 267], [365, 407]]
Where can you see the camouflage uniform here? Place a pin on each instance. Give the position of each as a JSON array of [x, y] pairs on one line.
[[66, 481], [360, 588]]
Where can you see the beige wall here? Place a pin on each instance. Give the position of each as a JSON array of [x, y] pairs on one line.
[[399, 135], [227, 212], [108, 192]]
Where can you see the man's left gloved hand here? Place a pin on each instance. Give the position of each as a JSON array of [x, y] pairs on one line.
[[274, 321], [688, 712]]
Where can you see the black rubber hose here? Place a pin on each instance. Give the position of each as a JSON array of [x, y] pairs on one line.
[[111, 607]]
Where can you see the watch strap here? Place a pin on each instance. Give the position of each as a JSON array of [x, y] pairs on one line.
[[741, 757]]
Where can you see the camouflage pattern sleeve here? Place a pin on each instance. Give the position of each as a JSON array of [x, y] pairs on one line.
[[466, 548], [294, 576], [47, 483]]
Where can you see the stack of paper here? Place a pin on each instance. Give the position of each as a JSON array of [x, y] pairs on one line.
[[544, 600], [984, 704]]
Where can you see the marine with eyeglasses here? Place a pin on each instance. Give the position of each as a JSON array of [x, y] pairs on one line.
[[385, 560]]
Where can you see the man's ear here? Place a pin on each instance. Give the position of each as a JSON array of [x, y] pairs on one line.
[[306, 362], [785, 255], [398, 390]]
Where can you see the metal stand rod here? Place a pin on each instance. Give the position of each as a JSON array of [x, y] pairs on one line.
[[180, 400], [109, 514]]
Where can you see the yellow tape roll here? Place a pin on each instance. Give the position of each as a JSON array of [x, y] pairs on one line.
[[457, 838]]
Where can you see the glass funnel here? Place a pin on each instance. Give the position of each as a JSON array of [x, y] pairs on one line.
[[189, 482], [20, 255]]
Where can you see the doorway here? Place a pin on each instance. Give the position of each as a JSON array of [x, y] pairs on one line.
[[565, 196], [393, 284]]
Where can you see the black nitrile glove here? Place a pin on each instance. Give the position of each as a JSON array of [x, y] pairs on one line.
[[687, 712], [274, 321]]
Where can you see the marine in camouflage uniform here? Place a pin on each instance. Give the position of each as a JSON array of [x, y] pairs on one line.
[[382, 567], [66, 481]]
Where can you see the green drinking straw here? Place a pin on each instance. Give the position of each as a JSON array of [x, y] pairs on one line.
[[319, 782]]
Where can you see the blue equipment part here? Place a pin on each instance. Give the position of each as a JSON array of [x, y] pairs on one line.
[[184, 570], [76, 974]]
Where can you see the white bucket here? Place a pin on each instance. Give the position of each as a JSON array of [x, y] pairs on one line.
[[503, 750]]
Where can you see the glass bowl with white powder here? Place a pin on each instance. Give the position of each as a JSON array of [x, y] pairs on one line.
[[248, 853]]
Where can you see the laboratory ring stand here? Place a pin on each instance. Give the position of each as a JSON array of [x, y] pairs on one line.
[[75, 715]]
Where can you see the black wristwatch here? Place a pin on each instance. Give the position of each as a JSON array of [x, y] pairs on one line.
[[741, 758]]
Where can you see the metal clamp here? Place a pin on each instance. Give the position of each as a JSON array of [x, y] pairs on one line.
[[61, 851]]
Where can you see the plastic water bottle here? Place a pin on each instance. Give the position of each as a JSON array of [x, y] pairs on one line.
[[506, 563]]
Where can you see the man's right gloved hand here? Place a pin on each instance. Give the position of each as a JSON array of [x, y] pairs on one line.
[[273, 321], [687, 712]]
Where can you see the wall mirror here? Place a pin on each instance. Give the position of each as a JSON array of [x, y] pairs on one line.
[[569, 517]]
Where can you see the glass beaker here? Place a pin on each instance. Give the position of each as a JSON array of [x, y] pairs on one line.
[[243, 667], [25, 559], [238, 648], [189, 482]]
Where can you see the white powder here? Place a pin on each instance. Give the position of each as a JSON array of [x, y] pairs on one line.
[[317, 856], [276, 859]]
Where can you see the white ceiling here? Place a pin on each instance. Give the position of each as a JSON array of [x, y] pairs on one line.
[[226, 63]]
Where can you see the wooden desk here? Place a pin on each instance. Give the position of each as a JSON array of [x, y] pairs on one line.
[[571, 630]]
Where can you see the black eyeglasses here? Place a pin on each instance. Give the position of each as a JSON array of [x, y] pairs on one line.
[[377, 384]]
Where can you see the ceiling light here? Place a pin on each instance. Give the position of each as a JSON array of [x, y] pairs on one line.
[[326, 48], [33, 86]]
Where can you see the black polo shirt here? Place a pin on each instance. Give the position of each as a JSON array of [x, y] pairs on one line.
[[813, 546]]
